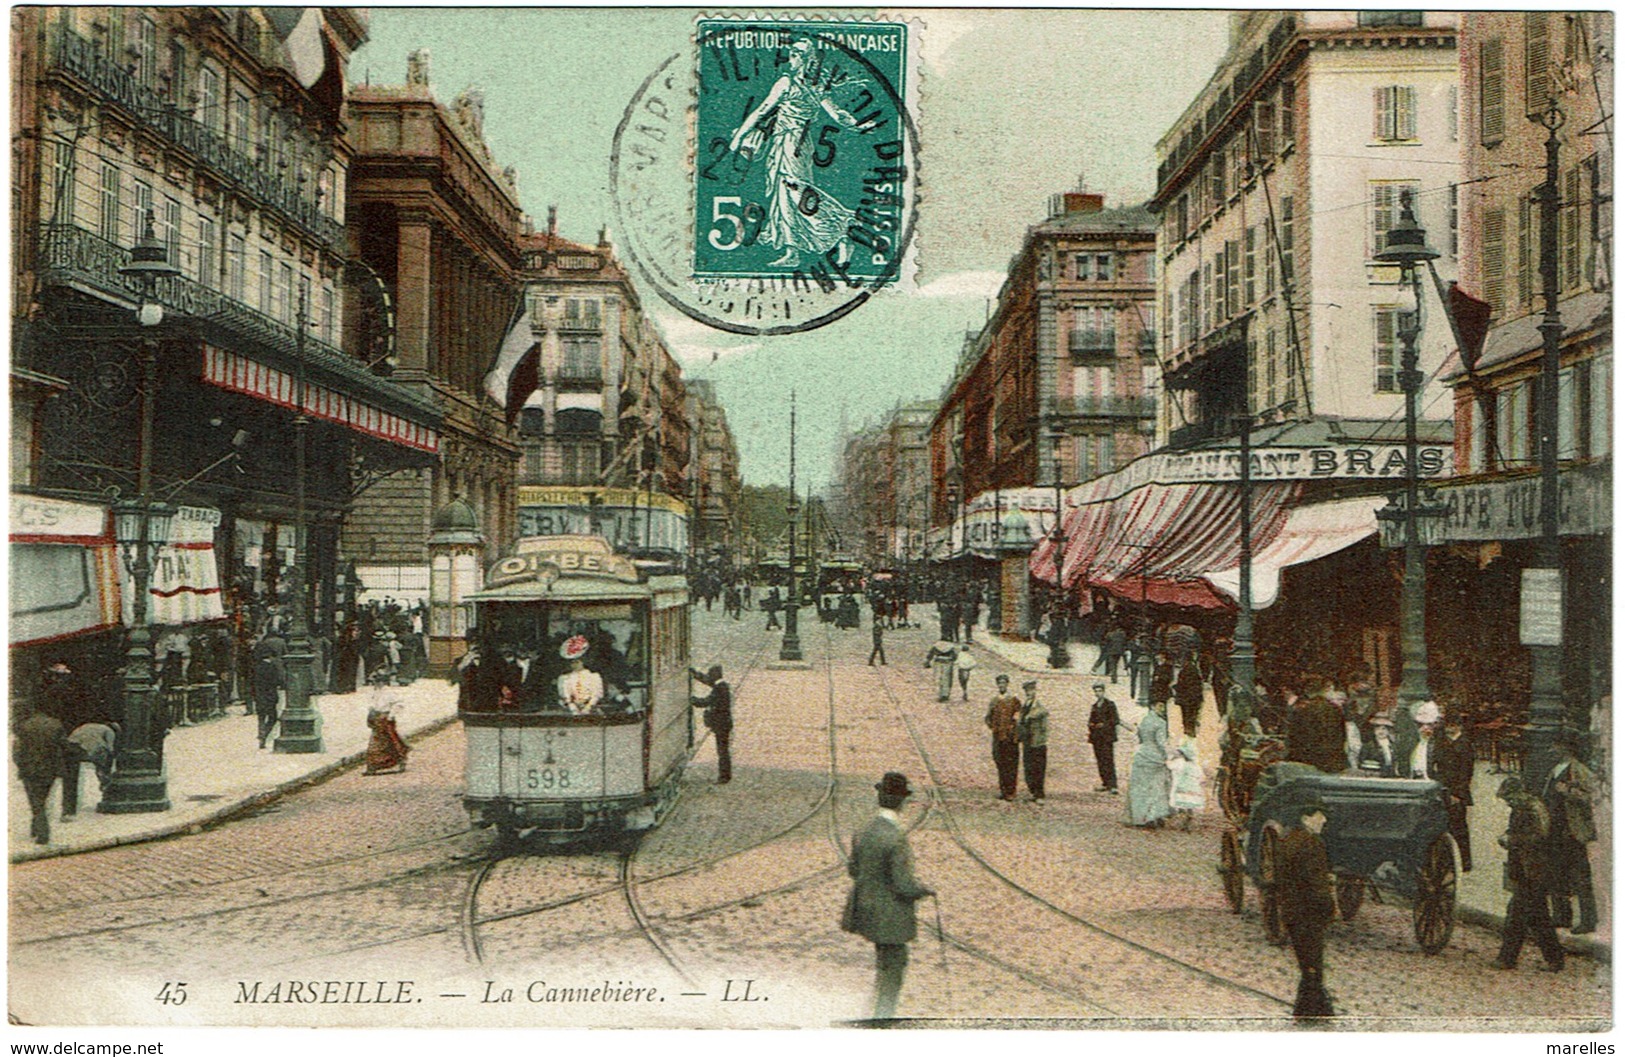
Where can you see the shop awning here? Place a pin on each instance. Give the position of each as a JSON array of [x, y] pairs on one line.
[[1310, 532], [239, 374], [186, 574]]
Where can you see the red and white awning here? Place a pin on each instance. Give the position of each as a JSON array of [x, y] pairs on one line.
[[239, 374]]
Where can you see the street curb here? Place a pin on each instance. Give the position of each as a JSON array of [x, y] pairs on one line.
[[1582, 946], [229, 811]]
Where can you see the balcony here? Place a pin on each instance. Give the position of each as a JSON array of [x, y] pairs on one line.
[[1093, 343], [71, 255], [587, 324], [88, 64], [579, 376], [1112, 406]]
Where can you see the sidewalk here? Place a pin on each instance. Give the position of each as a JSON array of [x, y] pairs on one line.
[[1480, 899], [217, 769]]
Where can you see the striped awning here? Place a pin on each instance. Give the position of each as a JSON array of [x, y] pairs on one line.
[[239, 374]]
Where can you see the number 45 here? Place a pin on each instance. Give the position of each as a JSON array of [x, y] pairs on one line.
[[745, 227], [172, 994]]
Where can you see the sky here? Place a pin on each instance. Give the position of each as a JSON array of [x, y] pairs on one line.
[[1014, 106]]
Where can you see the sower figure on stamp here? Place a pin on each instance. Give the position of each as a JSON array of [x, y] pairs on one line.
[[719, 718], [884, 891], [1307, 906]]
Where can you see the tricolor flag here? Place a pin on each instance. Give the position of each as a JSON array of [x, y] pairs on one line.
[[515, 374], [300, 31]]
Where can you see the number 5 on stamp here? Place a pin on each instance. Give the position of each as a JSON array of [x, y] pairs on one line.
[[799, 136]]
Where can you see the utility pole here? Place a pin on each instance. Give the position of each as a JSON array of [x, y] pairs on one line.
[[790, 647], [1541, 594], [300, 727]]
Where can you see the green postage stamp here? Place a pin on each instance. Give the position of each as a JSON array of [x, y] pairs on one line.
[[800, 135]]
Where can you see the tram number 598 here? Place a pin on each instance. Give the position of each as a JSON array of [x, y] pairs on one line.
[[547, 778]]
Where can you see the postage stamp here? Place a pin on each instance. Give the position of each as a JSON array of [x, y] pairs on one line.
[[800, 135], [765, 180]]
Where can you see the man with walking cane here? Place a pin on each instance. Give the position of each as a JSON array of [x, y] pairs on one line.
[[884, 891]]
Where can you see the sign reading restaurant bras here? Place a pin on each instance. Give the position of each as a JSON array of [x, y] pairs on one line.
[[1373, 461]]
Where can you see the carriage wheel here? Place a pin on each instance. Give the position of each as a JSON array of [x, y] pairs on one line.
[[1350, 895], [1269, 899], [1224, 791], [1433, 911], [1231, 872]]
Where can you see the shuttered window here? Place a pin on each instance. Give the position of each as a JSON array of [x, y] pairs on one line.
[[1232, 278], [1264, 129], [108, 228], [1249, 276], [1571, 229], [1289, 108], [1393, 112], [1537, 70], [1495, 232], [1387, 199], [1492, 115], [1385, 350], [1287, 266]]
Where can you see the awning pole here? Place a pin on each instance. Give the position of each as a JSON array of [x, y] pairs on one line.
[[1242, 669]]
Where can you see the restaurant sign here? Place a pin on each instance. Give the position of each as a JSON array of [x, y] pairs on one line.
[[1324, 462]]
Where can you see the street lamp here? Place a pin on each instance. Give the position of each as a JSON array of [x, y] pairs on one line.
[[1058, 656], [1406, 246], [300, 728], [138, 783], [790, 646]]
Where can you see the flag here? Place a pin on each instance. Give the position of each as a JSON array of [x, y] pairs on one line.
[[1470, 320], [299, 29], [515, 375]]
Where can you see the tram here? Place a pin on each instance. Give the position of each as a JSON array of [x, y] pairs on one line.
[[575, 692]]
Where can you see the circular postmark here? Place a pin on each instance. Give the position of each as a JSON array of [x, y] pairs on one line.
[[765, 182]]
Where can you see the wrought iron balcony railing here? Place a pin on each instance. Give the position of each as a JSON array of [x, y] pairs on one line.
[[1093, 341], [72, 254], [579, 377], [92, 66], [592, 324]]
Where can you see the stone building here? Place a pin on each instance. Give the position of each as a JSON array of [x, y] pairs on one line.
[[885, 484], [225, 129], [437, 223], [716, 472], [604, 422]]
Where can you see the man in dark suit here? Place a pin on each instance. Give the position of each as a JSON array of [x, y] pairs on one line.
[[1451, 764], [884, 891], [1103, 721], [1315, 735], [719, 718], [1527, 877], [1305, 891], [771, 605], [38, 754]]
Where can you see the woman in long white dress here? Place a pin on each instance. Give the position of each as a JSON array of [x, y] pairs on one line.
[[801, 216], [1148, 781]]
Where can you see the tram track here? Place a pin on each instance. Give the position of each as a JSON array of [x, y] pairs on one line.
[[957, 834]]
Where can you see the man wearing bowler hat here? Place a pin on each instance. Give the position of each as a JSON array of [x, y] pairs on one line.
[[884, 891], [1306, 906]]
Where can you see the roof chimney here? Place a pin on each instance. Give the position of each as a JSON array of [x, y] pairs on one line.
[[552, 220], [1083, 202]]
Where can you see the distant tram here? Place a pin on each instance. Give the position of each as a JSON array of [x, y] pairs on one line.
[[575, 692]]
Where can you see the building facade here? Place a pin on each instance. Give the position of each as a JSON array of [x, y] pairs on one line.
[[885, 487], [1513, 67], [437, 224], [1275, 190], [605, 426], [1060, 384], [716, 472], [224, 129]]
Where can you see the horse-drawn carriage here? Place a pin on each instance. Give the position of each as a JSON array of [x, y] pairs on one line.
[[1381, 833]]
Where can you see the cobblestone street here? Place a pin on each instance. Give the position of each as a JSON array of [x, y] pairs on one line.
[[1056, 913]]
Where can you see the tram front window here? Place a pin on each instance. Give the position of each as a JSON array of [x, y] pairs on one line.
[[584, 660]]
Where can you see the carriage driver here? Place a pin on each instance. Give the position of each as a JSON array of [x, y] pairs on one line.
[[580, 688]]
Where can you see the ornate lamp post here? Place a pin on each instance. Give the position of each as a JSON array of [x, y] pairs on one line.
[[1406, 246], [300, 728], [139, 783], [1058, 656]]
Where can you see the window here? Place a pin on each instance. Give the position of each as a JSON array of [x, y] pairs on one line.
[[1452, 114], [207, 233], [306, 305], [1150, 380], [144, 50], [1393, 113], [1255, 377], [580, 312], [1387, 200], [1249, 274], [170, 231], [1289, 114], [1271, 357], [329, 311], [1478, 446], [236, 266], [1491, 92], [1381, 19], [1232, 278], [1286, 244], [1387, 324], [1601, 401], [242, 122], [284, 293], [143, 210], [109, 227], [1217, 188], [1238, 162], [582, 360], [1453, 205], [62, 182], [267, 284], [1097, 266], [1596, 255], [1537, 69], [1183, 213], [209, 110], [1526, 252], [177, 72], [1571, 235], [579, 462], [1494, 259], [1263, 130], [1512, 422], [1568, 441]]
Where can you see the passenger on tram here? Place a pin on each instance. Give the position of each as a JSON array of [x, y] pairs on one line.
[[479, 674], [580, 688]]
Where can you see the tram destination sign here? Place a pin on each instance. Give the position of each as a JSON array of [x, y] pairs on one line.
[[541, 561]]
